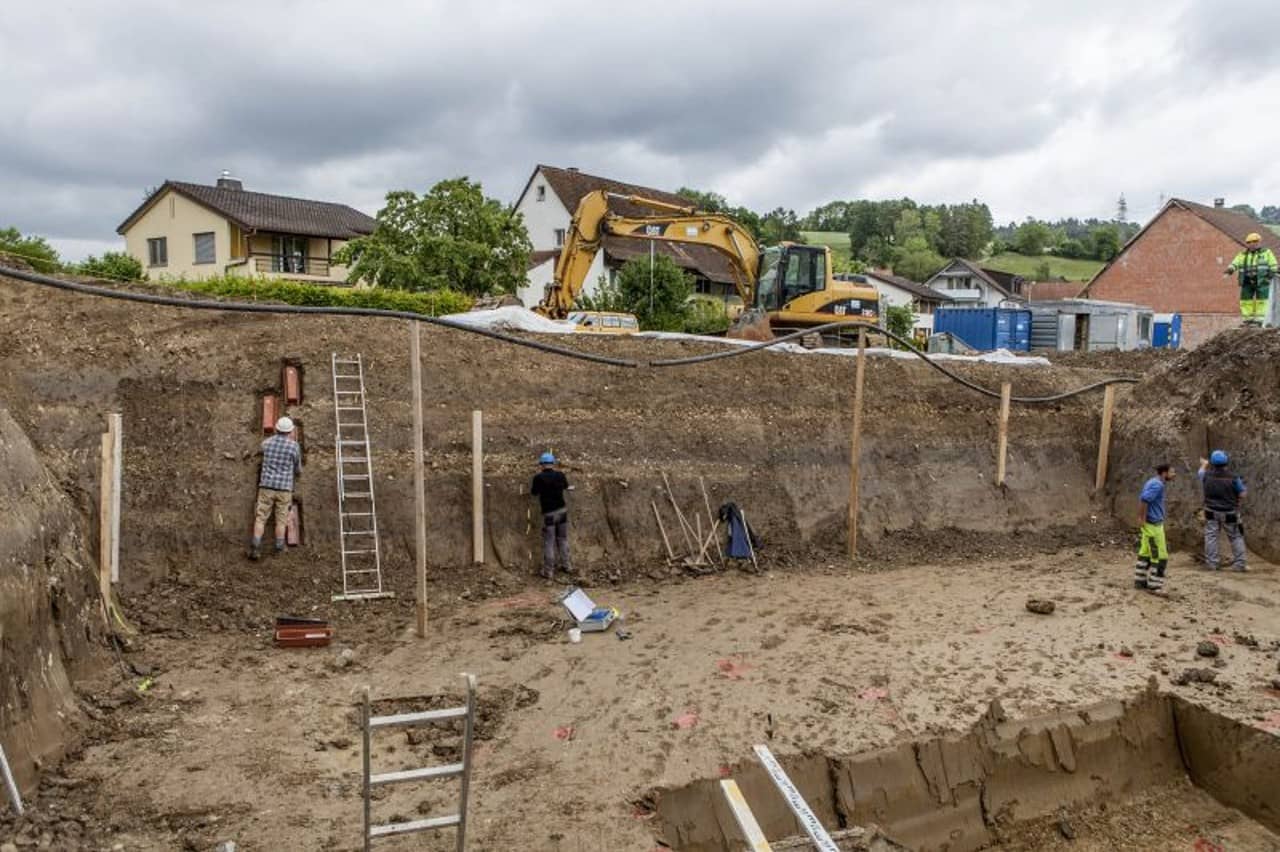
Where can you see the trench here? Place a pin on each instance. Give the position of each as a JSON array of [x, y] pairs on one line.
[[970, 791]]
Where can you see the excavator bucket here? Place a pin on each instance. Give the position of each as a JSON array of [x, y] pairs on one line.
[[751, 325]]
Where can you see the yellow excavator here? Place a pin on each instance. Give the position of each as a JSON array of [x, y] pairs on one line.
[[784, 288]]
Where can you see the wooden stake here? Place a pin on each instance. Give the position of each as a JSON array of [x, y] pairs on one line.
[[104, 520], [707, 542], [477, 487], [419, 478], [671, 554], [1104, 440], [706, 499], [1002, 444], [685, 529], [115, 428], [855, 448]]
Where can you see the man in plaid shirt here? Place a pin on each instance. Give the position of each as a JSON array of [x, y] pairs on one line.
[[281, 464]]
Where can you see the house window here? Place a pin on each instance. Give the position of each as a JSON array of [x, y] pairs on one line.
[[541, 193], [158, 251], [204, 247], [559, 237]]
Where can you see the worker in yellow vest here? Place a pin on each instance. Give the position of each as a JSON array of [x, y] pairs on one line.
[[1255, 267]]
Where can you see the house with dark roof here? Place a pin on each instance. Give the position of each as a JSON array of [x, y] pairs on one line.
[[969, 285], [1176, 262], [547, 203], [197, 231], [896, 291]]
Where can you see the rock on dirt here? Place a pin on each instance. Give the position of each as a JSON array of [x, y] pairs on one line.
[[1040, 606], [1189, 676], [343, 659], [1207, 649]]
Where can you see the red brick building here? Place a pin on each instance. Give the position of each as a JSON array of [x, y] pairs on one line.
[[1175, 265]]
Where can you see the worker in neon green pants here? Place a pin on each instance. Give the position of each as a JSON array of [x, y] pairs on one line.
[[1153, 551], [1254, 268]]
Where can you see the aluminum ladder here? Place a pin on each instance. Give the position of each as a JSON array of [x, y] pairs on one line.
[[353, 463], [462, 770]]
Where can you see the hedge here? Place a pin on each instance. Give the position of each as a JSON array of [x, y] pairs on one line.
[[433, 303]]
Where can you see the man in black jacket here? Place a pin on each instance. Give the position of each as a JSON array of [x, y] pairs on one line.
[[549, 487], [1223, 494]]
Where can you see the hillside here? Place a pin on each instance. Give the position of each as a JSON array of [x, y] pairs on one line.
[[1026, 265], [837, 241]]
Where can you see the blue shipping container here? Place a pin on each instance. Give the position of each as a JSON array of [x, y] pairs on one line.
[[1166, 332], [986, 329]]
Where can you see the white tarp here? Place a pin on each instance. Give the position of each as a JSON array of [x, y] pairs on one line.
[[515, 318]]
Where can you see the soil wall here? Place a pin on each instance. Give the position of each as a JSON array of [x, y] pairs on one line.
[[49, 613]]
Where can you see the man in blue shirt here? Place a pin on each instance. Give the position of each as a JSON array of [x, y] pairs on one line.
[[281, 465], [1153, 551], [1223, 494]]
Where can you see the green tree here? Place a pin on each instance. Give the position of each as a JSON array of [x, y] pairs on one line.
[[656, 291], [450, 238], [34, 251], [607, 297], [1106, 242], [1043, 272], [1032, 238], [908, 225], [114, 265], [899, 319], [916, 260], [779, 225], [1071, 247], [705, 316]]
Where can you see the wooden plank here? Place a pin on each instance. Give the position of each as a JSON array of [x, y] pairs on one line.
[[855, 447], [477, 487], [1104, 439], [742, 815], [1002, 441], [670, 553], [419, 483], [104, 519], [809, 823], [115, 428]]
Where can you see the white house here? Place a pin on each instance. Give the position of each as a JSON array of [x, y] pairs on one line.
[[547, 203], [899, 292], [968, 285]]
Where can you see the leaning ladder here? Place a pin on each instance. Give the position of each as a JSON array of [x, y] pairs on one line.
[[461, 770], [353, 461]]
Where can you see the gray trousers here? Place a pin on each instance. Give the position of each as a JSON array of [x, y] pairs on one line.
[[1215, 521], [555, 540]]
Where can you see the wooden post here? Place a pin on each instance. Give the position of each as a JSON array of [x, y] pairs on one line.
[[1006, 390], [1104, 440], [855, 448], [419, 484], [104, 519], [477, 486], [115, 428]]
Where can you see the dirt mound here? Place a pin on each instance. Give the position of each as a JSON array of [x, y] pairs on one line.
[[1134, 362], [1222, 395]]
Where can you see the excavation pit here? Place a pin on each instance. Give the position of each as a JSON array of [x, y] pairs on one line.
[[1151, 771]]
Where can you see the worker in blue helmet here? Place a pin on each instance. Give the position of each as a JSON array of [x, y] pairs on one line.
[[549, 487], [1153, 549], [1224, 491]]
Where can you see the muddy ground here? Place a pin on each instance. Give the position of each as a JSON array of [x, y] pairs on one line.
[[239, 740], [235, 739]]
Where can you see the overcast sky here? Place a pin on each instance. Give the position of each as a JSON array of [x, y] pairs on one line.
[[1044, 109]]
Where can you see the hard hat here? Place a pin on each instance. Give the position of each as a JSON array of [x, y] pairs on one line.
[[1253, 238], [1218, 457], [284, 425], [546, 458]]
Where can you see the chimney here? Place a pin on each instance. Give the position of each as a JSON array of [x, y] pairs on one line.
[[1219, 203], [226, 181]]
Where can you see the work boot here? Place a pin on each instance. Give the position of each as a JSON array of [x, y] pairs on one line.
[[279, 545], [255, 553]]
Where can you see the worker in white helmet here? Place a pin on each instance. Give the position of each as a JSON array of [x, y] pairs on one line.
[[281, 466]]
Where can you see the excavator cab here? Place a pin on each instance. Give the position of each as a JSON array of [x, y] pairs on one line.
[[789, 271]]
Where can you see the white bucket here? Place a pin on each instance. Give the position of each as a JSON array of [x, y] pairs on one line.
[[575, 635]]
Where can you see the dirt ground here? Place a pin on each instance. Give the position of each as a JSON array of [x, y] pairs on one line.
[[239, 740]]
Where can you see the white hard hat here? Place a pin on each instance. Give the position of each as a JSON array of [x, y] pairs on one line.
[[284, 425]]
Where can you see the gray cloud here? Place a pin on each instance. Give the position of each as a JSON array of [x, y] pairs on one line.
[[825, 101]]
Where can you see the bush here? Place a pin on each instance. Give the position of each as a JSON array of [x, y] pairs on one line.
[[706, 316], [434, 303], [115, 265], [34, 251], [899, 319]]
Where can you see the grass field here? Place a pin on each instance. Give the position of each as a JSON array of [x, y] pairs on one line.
[[837, 241], [1025, 265]]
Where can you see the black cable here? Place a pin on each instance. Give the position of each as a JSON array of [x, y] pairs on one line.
[[249, 307], [256, 308], [1030, 400]]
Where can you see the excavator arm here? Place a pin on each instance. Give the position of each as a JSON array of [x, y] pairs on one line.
[[593, 221]]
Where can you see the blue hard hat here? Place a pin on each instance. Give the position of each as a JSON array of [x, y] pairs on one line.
[[1218, 457], [546, 458]]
